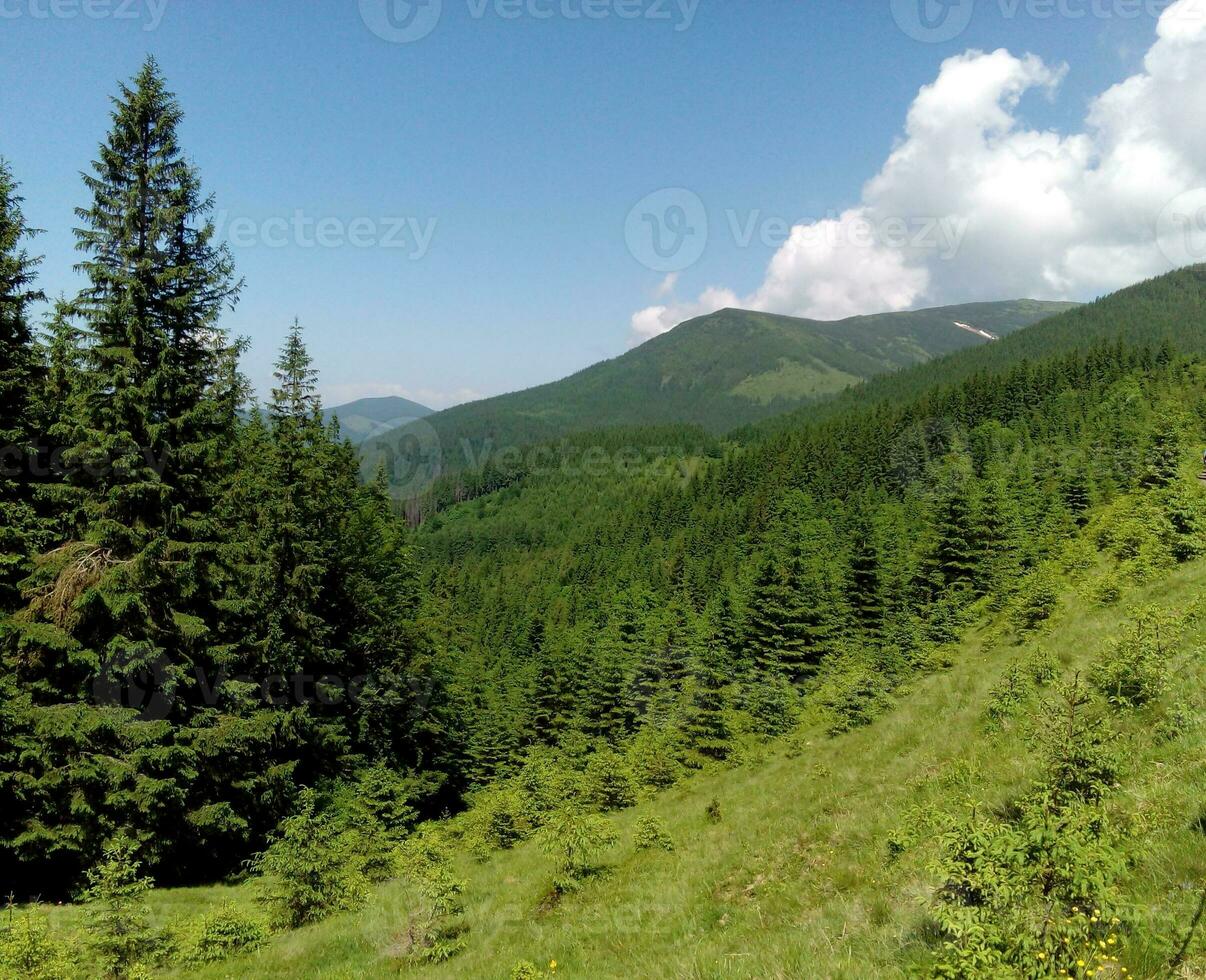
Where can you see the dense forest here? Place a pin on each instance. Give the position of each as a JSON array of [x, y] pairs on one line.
[[225, 653]]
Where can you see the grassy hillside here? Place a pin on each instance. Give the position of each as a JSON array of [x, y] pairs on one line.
[[798, 877], [718, 371]]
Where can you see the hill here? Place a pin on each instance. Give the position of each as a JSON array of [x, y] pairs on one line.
[[718, 371], [368, 417]]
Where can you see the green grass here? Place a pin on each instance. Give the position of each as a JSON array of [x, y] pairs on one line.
[[795, 880]]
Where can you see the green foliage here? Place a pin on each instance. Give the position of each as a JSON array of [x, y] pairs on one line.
[[608, 782], [30, 951], [226, 931], [1035, 603], [712, 813], [121, 940], [1023, 895], [311, 869], [650, 834], [576, 840], [1133, 668]]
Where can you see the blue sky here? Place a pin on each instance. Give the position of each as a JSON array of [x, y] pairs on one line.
[[520, 145]]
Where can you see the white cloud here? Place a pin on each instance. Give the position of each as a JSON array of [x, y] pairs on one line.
[[973, 204], [341, 394]]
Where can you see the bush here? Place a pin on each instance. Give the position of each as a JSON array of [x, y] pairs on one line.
[[1133, 669], [500, 819], [527, 970], [30, 951], [1035, 603], [655, 758], [650, 834], [122, 941], [712, 811], [1107, 590], [1042, 666], [311, 869], [222, 933], [435, 932], [852, 694], [609, 783], [1008, 698], [576, 840]]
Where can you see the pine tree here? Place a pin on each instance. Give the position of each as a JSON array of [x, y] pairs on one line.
[[1164, 452], [706, 727], [124, 610], [952, 558], [20, 375]]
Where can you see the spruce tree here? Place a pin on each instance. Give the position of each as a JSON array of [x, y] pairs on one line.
[[20, 375], [706, 726], [121, 612]]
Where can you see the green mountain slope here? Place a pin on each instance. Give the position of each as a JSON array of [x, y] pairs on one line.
[[368, 417], [718, 371], [821, 863]]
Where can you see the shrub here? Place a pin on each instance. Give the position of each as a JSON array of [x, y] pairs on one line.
[[576, 840], [650, 834], [222, 933], [29, 950], [1132, 670], [122, 941], [1107, 590], [500, 817], [527, 970], [609, 783], [712, 811], [1042, 666], [1035, 603], [1008, 698], [311, 869], [655, 757], [852, 694]]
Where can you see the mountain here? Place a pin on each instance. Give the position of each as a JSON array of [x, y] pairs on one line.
[[719, 371], [368, 417]]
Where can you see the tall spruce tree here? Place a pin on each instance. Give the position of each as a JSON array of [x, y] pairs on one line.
[[121, 613], [20, 376]]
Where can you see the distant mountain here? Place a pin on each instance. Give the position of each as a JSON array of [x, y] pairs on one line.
[[719, 371], [368, 417]]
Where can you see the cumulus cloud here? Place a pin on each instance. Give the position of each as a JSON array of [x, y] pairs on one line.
[[974, 204]]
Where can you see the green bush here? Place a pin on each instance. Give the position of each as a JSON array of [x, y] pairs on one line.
[[576, 840], [225, 932], [435, 932], [311, 869], [1133, 669], [122, 942], [1035, 602], [650, 834], [527, 970], [655, 757], [852, 693], [1107, 590], [1042, 666], [30, 951], [1008, 698], [712, 812], [609, 783]]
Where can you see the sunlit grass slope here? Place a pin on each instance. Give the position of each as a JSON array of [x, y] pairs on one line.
[[796, 879]]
